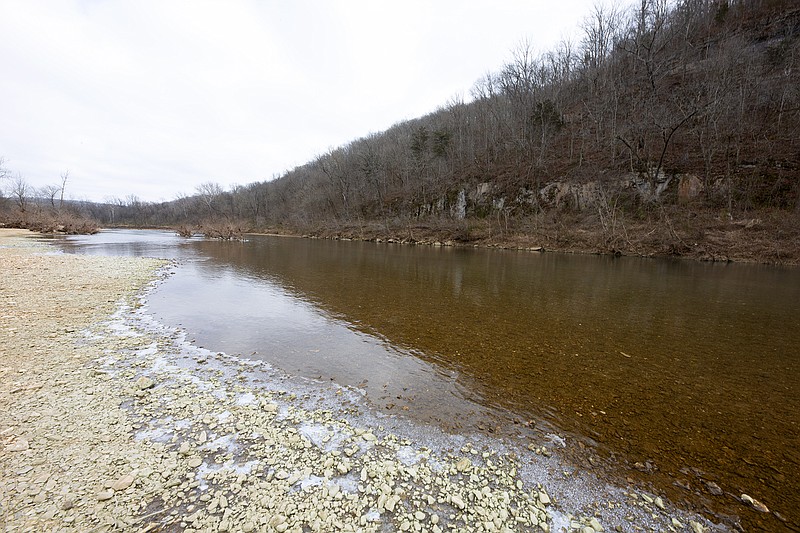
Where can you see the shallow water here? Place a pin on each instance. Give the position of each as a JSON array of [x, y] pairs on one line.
[[691, 370]]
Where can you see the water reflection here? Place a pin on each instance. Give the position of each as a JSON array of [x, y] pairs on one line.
[[685, 367]]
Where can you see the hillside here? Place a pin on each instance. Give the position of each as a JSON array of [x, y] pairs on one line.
[[670, 128]]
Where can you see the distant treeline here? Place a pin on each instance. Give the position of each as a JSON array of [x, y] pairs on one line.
[[692, 103]]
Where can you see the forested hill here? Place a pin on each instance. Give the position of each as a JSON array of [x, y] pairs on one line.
[[666, 127]]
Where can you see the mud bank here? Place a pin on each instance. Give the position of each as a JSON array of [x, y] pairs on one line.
[[111, 421]]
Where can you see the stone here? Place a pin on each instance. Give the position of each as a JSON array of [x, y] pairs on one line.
[[544, 498], [123, 482], [755, 504], [457, 501], [19, 445], [595, 524], [696, 528], [659, 502], [463, 464], [713, 488], [69, 502], [104, 495], [144, 383]]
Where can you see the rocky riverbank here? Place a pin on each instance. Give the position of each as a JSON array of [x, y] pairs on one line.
[[112, 422], [766, 237]]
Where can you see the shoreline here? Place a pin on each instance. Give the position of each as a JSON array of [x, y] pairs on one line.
[[114, 421]]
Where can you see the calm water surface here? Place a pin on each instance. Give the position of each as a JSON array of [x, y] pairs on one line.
[[676, 372]]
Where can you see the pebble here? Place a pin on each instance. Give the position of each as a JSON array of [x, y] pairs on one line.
[[104, 495], [144, 383], [457, 501], [696, 527], [123, 483], [755, 504], [19, 445]]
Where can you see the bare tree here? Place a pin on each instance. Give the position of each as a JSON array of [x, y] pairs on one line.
[[50, 192], [64, 176], [20, 191]]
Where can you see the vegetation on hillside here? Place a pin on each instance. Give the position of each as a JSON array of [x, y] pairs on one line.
[[671, 127]]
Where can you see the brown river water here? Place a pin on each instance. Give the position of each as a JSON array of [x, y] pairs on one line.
[[677, 375]]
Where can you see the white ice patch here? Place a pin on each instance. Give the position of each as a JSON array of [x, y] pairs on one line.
[[150, 350], [560, 520], [161, 364], [314, 433], [220, 394], [322, 437], [246, 399], [555, 439], [311, 481], [409, 456], [349, 484], [226, 442], [155, 435]]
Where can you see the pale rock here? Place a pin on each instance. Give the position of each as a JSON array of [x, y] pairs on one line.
[[104, 495], [596, 524], [463, 464], [659, 502], [194, 462], [755, 504], [457, 501], [391, 501], [696, 528], [677, 523], [144, 383], [123, 482], [69, 502], [19, 445]]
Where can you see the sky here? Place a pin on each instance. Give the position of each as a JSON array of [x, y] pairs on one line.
[[151, 98]]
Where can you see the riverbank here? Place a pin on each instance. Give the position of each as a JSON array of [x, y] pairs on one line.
[[766, 237], [112, 421]]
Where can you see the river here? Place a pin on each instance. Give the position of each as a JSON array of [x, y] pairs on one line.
[[680, 375]]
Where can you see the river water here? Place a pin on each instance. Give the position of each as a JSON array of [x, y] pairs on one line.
[[672, 374]]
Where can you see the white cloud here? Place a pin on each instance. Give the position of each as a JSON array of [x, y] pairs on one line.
[[152, 98]]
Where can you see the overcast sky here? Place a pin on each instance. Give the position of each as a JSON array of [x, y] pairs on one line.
[[154, 97]]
